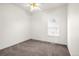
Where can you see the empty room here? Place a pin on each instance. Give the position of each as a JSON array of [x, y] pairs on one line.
[[39, 29]]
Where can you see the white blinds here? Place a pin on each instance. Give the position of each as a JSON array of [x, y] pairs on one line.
[[53, 29]]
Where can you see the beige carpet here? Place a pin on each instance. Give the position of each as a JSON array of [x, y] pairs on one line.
[[35, 48]]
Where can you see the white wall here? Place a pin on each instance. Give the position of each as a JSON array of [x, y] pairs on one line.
[[73, 29], [14, 25], [40, 24], [60, 15]]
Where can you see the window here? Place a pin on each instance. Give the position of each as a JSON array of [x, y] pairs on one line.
[[53, 28]]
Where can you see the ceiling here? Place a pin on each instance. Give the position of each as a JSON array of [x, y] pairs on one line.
[[43, 6], [46, 6]]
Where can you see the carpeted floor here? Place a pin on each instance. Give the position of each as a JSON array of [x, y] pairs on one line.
[[35, 48]]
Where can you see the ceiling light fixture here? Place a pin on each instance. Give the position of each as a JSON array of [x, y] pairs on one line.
[[34, 6]]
